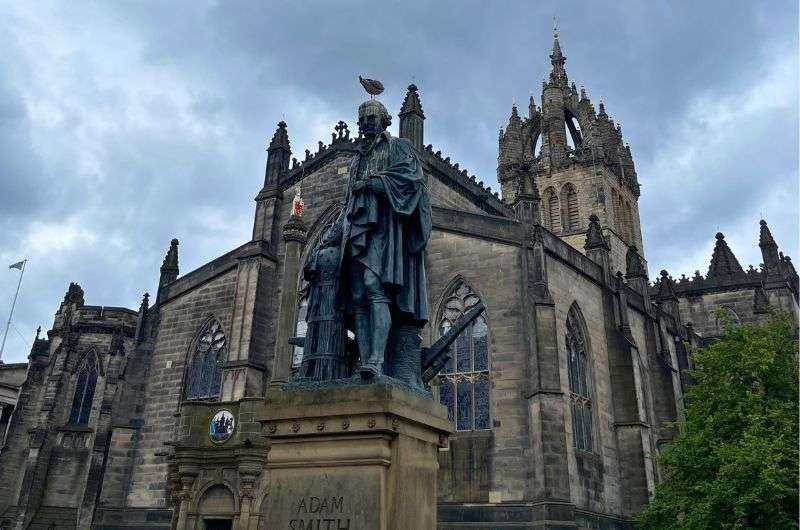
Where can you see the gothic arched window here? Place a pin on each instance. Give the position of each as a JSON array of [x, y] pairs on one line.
[[579, 387], [726, 316], [569, 200], [204, 377], [84, 392], [553, 218], [464, 381]]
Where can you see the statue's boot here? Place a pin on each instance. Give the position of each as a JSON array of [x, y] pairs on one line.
[[361, 320], [380, 322]]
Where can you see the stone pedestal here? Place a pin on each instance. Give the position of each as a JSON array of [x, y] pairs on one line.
[[356, 457]]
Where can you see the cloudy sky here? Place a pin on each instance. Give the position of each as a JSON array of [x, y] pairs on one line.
[[124, 124]]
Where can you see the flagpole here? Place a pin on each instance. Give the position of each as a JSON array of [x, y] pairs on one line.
[[14, 303]]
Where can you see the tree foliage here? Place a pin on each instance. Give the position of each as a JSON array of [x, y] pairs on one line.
[[735, 463]]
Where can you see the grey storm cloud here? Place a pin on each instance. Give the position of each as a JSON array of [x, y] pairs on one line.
[[124, 124]]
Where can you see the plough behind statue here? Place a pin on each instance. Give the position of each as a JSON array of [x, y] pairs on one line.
[[432, 358]]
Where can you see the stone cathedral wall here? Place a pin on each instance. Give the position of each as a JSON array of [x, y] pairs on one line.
[[478, 463], [594, 477], [181, 320]]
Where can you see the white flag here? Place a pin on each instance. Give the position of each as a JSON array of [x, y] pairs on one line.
[[17, 265]]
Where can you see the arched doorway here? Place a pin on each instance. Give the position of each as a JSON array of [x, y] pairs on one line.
[[216, 509]]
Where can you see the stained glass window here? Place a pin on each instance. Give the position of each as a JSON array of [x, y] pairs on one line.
[[84, 393], [579, 389], [204, 377], [464, 380]]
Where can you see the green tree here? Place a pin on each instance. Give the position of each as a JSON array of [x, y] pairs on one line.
[[735, 463]]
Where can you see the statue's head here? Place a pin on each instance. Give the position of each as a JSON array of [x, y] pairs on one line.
[[373, 118]]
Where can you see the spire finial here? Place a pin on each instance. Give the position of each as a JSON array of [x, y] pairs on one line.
[[769, 248], [280, 140], [765, 236], [666, 287], [412, 103], [558, 75]]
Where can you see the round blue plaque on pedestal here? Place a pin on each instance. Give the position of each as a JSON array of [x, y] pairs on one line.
[[221, 425]]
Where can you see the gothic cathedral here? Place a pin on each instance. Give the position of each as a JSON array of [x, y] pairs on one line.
[[560, 393]]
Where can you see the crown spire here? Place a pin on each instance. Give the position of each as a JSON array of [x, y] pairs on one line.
[[557, 75]]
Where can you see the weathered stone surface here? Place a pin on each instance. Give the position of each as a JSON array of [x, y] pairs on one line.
[[360, 456]]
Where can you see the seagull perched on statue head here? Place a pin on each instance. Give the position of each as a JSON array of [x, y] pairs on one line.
[[372, 86]]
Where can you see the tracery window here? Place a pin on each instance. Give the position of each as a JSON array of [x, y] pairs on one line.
[[579, 388], [204, 378], [553, 218], [726, 316], [464, 380], [84, 392], [572, 220]]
